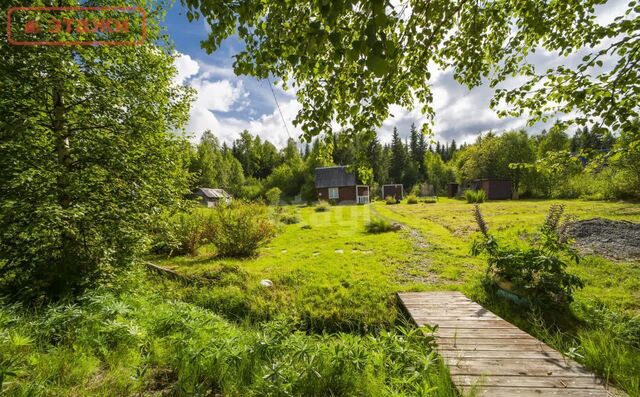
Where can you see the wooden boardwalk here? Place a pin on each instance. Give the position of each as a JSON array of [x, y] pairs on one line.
[[492, 357]]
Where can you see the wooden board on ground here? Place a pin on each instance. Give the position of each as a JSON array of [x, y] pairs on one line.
[[488, 356]]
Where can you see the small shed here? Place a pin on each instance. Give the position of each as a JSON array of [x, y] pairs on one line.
[[496, 189], [338, 185], [452, 189], [393, 190], [212, 197]]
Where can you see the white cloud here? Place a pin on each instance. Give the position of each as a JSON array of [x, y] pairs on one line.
[[186, 67], [218, 95]]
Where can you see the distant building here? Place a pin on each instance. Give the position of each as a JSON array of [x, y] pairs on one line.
[[496, 189], [336, 184], [393, 190], [452, 189], [212, 197]]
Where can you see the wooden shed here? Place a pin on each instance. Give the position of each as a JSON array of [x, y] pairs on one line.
[[212, 197], [452, 189], [393, 190], [496, 189]]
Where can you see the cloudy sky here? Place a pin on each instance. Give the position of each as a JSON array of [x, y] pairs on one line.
[[228, 104]]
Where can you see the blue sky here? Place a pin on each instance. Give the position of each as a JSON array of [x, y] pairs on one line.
[[228, 104]]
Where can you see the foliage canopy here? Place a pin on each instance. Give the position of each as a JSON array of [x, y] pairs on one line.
[[350, 60]]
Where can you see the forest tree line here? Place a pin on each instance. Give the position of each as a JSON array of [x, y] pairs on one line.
[[553, 164]]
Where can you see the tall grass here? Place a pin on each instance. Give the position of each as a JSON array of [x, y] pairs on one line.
[[475, 196], [142, 340]]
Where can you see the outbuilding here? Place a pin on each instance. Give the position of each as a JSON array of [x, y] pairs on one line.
[[393, 190], [496, 189], [212, 197], [339, 185]]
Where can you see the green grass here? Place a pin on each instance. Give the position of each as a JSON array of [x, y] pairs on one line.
[[328, 325], [332, 277]]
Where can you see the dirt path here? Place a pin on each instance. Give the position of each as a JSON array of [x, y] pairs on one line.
[[417, 267]]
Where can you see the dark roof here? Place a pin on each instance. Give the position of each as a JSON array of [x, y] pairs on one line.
[[213, 193], [334, 177]]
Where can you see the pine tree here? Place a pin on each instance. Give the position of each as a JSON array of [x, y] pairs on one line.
[[398, 158]]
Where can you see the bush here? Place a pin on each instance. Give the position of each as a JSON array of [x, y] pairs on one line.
[[289, 219], [378, 225], [273, 195], [182, 234], [390, 200], [322, 206], [430, 200], [241, 228], [412, 199], [537, 272], [475, 196]]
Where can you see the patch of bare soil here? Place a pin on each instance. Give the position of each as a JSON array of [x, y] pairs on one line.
[[613, 239]]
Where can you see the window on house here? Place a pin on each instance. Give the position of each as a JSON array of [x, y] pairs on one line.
[[333, 193]]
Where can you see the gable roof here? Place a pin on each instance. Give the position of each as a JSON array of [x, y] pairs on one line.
[[213, 193], [334, 177]]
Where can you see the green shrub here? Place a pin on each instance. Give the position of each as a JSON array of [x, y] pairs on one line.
[[475, 196], [182, 234], [537, 272], [240, 228], [390, 200], [378, 225], [322, 206], [412, 199], [273, 195], [430, 200], [289, 219]]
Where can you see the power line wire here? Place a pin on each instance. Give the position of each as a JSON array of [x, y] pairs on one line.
[[278, 106]]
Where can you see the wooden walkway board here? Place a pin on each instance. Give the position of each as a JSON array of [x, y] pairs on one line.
[[491, 357]]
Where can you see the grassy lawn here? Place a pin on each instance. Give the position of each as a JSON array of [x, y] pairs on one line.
[[330, 275]]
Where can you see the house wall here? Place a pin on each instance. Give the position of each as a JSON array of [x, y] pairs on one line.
[[323, 193], [345, 193], [363, 191]]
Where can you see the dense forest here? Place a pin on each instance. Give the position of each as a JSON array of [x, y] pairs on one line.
[[587, 164]]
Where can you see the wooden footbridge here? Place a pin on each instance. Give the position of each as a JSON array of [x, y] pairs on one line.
[[488, 356]]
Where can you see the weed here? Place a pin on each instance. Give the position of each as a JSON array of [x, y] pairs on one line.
[[322, 206], [378, 225]]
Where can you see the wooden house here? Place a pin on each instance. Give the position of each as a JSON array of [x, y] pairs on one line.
[[338, 185]]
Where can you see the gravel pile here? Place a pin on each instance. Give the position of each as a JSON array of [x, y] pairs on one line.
[[612, 239]]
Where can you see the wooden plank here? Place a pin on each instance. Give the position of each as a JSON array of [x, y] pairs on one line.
[[492, 333], [474, 341], [502, 354], [490, 356], [472, 324], [529, 367], [559, 382], [444, 347], [538, 392]]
